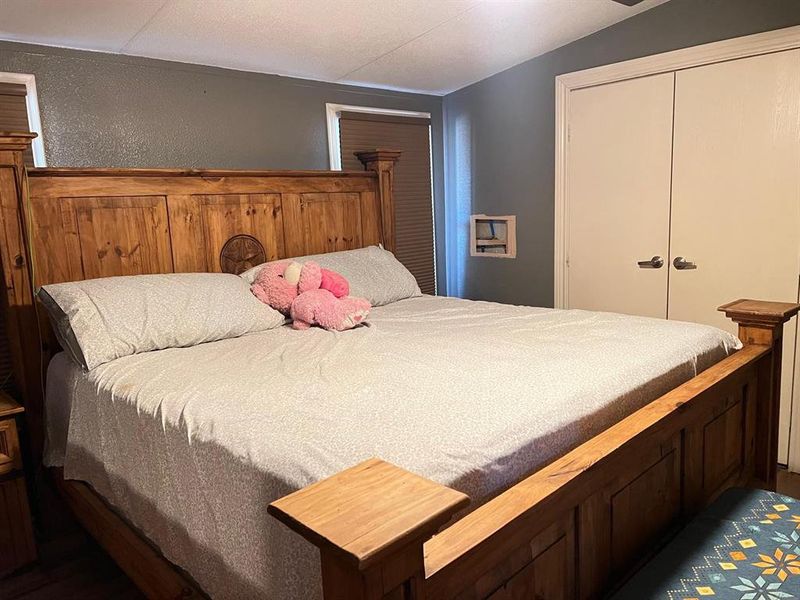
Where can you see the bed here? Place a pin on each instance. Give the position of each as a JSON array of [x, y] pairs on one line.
[[661, 417], [227, 427]]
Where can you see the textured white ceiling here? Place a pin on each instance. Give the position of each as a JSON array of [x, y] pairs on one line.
[[433, 46]]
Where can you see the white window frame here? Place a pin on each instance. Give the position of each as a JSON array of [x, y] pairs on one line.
[[334, 111], [34, 121]]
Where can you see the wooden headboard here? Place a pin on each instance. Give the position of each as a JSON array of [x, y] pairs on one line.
[[72, 224]]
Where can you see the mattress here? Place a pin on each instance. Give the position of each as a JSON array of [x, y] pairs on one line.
[[192, 444]]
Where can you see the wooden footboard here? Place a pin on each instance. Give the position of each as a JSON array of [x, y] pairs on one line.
[[579, 525]]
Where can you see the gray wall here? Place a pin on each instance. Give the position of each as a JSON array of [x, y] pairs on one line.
[[500, 133], [104, 110]]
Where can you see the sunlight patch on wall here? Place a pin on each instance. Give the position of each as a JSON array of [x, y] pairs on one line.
[[459, 203]]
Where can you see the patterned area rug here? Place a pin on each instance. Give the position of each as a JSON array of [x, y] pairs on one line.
[[745, 546]]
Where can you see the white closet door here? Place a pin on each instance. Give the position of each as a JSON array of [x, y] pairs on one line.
[[618, 194], [736, 193]]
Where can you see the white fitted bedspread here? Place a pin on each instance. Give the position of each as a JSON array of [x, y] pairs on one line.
[[192, 444]]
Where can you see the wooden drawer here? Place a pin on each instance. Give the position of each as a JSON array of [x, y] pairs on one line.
[[10, 457]]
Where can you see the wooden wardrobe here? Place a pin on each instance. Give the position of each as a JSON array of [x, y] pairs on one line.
[[656, 171]]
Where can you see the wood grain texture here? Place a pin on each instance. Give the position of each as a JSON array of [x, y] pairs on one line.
[[240, 253], [189, 254], [759, 312], [256, 215], [761, 323], [17, 266], [10, 455], [368, 510], [370, 522], [17, 546], [382, 162], [100, 183], [125, 235]]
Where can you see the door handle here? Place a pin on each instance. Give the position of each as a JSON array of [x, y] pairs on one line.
[[654, 263], [682, 264]]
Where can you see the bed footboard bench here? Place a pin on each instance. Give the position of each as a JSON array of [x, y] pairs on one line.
[[576, 527]]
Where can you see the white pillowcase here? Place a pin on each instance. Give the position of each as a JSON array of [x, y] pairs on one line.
[[373, 273], [99, 320]]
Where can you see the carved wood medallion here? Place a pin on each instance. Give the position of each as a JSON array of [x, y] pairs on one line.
[[241, 252]]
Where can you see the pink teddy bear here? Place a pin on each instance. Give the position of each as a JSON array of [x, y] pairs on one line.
[[309, 294]]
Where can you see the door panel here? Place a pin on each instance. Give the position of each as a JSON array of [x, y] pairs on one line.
[[618, 195], [736, 193], [326, 222], [256, 215], [119, 236]]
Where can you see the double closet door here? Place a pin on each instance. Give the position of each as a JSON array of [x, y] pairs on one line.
[[683, 193]]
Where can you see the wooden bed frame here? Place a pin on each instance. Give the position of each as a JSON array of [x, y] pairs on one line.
[[570, 530]]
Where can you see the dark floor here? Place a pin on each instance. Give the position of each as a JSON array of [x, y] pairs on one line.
[[74, 567], [789, 483], [70, 567]]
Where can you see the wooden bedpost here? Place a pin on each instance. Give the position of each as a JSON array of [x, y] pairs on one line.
[[761, 324], [370, 523], [20, 313], [383, 161]]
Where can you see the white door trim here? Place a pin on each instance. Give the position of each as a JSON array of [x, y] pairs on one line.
[[332, 113], [34, 121], [751, 45]]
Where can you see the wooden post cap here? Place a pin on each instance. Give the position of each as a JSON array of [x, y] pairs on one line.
[[17, 140], [368, 511], [759, 312], [379, 154]]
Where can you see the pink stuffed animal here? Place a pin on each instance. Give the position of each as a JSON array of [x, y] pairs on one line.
[[278, 283], [334, 283], [309, 294], [321, 307]]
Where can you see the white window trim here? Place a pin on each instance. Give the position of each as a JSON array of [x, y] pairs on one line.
[[34, 121], [334, 111]]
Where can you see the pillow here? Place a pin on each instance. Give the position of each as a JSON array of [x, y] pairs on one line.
[[373, 273], [99, 320]]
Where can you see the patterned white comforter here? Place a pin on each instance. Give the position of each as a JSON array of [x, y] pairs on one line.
[[191, 444]]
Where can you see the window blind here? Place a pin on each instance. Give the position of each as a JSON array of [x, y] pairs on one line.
[[14, 112], [412, 182]]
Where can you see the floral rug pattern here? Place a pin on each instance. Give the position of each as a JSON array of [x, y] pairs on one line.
[[746, 546]]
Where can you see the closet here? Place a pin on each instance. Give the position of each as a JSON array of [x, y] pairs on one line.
[[682, 192]]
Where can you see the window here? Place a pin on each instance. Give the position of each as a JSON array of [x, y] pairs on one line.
[[19, 111], [352, 129]]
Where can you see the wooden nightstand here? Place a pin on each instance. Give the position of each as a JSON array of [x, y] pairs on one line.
[[17, 547]]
